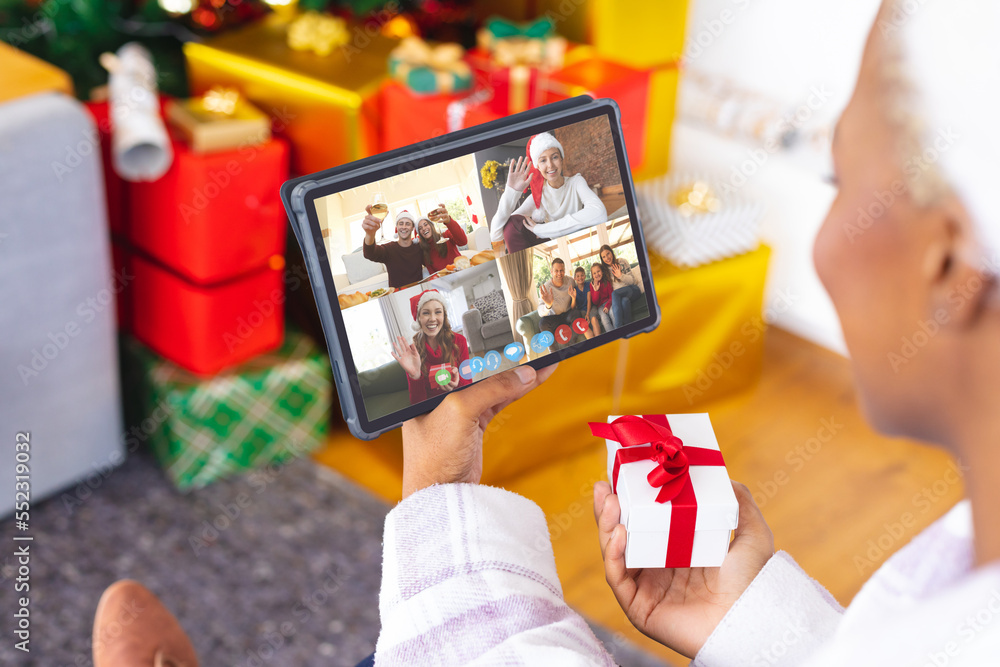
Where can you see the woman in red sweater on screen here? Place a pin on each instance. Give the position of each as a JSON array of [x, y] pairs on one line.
[[431, 361], [440, 249]]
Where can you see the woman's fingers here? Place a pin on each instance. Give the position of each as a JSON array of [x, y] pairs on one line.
[[622, 584], [607, 512], [751, 530]]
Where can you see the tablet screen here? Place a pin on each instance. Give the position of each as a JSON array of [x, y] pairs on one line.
[[452, 272]]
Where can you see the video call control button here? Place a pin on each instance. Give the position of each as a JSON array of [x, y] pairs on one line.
[[580, 325], [514, 352], [443, 377], [542, 341], [477, 364], [563, 334], [493, 360], [465, 370]]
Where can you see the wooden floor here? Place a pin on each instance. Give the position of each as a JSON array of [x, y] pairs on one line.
[[835, 494]]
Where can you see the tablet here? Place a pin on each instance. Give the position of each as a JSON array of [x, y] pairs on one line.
[[437, 265]]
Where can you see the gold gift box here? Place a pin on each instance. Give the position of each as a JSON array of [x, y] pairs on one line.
[[326, 106], [207, 130], [22, 74]]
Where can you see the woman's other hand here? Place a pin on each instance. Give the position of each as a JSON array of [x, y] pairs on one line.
[[520, 174], [680, 607]]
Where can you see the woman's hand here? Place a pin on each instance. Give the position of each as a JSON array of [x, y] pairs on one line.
[[446, 445], [407, 356], [680, 607], [607, 309], [616, 270], [520, 174], [453, 383]]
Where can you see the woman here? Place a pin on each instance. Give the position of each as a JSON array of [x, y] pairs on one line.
[[439, 249], [557, 205], [599, 300], [927, 264], [626, 285], [435, 347]]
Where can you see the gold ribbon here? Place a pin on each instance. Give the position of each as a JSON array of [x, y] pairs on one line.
[[444, 60], [220, 100], [318, 33]]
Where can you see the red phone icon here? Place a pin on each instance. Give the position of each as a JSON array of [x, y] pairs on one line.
[[563, 334], [580, 325]]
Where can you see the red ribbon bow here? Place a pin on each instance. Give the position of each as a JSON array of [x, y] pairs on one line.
[[649, 438]]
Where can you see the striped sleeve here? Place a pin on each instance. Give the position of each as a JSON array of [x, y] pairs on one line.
[[469, 577]]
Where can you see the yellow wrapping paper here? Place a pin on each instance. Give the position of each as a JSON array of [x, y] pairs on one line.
[[22, 74], [211, 130], [326, 106], [689, 359]]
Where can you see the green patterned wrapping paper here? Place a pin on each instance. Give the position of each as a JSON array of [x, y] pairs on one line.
[[267, 410]]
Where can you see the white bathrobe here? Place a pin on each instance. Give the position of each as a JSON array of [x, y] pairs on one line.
[[570, 208], [468, 577]]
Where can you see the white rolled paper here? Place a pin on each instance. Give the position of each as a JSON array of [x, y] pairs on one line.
[[140, 147]]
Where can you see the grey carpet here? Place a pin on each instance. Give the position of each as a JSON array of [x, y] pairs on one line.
[[292, 580]]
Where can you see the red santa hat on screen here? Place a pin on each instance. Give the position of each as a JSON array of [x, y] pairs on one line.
[[537, 145], [417, 302], [404, 215]]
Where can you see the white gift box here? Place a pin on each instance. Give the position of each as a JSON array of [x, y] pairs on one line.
[[647, 522], [702, 238]]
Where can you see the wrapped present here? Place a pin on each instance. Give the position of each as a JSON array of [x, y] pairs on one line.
[[691, 220], [677, 502], [646, 33], [325, 105], [115, 190], [22, 74], [206, 328], [265, 411], [219, 120], [600, 78], [213, 216], [423, 68], [513, 59], [409, 117]]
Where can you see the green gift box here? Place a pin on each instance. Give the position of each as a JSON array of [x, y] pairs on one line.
[[265, 411]]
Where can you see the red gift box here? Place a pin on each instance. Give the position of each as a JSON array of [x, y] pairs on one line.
[[213, 216], [206, 328], [602, 78], [114, 187], [514, 88], [409, 117]]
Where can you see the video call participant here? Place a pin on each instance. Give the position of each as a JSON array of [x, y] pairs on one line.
[[434, 344], [440, 249], [580, 303], [402, 258], [557, 205], [626, 285], [599, 313], [557, 298]]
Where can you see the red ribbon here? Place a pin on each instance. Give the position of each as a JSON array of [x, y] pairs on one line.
[[649, 438]]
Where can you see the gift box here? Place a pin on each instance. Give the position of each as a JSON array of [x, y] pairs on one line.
[[22, 74], [218, 120], [206, 328], [427, 69], [212, 216], [325, 105], [266, 411], [692, 220], [115, 190], [645, 34], [602, 78], [677, 502], [409, 117]]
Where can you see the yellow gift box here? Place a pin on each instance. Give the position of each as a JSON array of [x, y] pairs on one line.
[[231, 122], [22, 74], [325, 105]]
